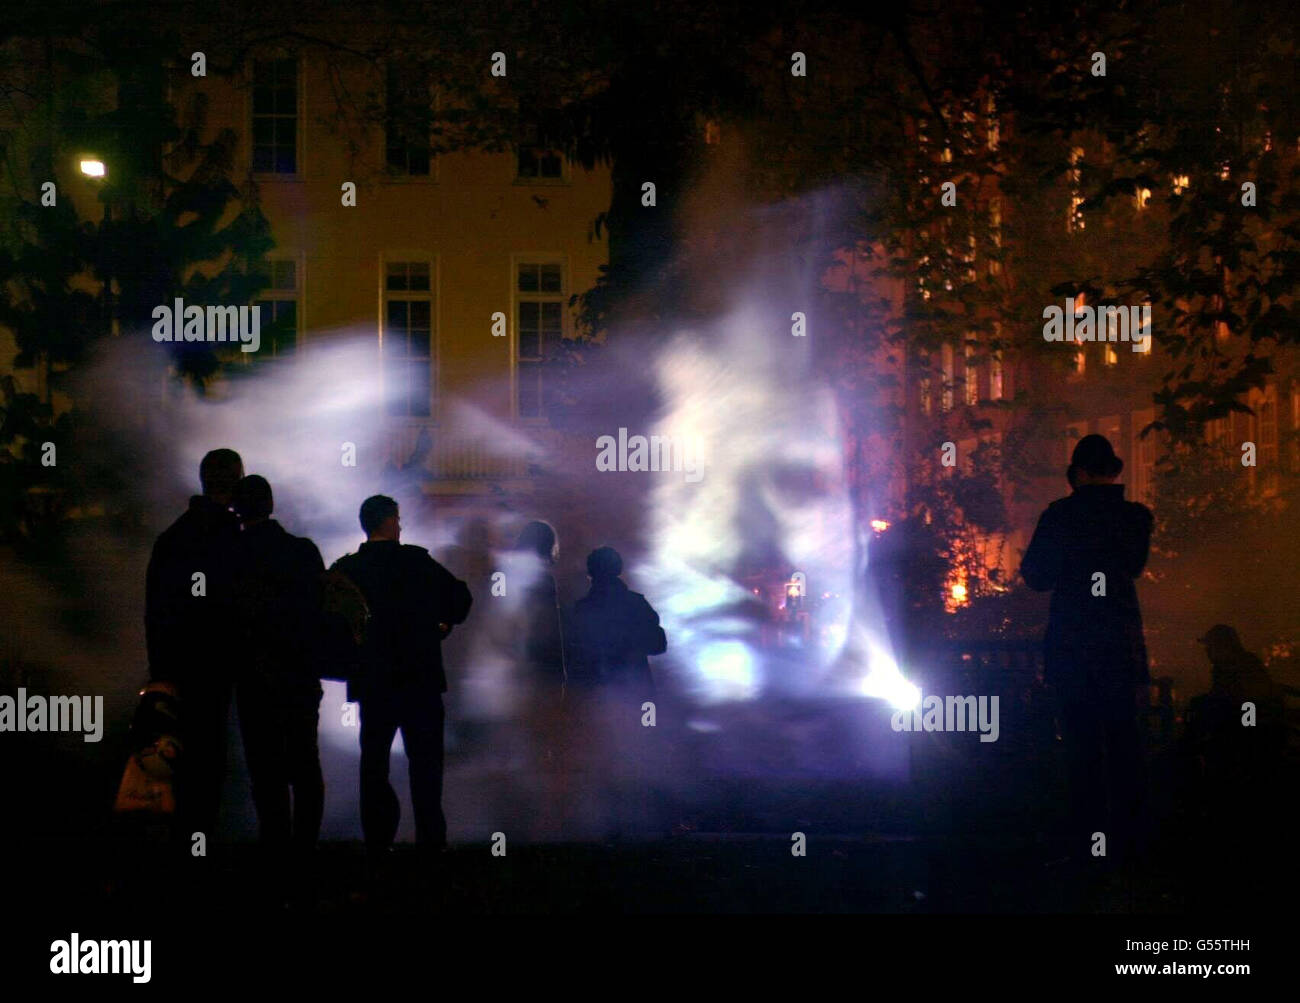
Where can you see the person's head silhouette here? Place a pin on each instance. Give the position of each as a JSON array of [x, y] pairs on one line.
[[604, 564], [1093, 462]]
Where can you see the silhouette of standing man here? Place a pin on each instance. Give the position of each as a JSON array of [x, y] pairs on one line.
[[1087, 550], [414, 602], [277, 599], [188, 620]]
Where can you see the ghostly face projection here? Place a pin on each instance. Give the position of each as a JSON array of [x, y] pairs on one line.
[[752, 567]]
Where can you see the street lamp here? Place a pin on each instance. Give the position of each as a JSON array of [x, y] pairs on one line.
[[93, 167]]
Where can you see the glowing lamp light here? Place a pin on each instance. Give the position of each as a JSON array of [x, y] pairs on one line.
[[93, 168], [879, 525], [959, 592]]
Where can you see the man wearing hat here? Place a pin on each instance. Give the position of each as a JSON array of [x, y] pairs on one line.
[[1088, 550], [1216, 726]]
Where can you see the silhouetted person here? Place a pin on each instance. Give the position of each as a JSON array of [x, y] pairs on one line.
[[1237, 756], [189, 634], [414, 602], [278, 601], [540, 646], [1087, 550], [614, 629]]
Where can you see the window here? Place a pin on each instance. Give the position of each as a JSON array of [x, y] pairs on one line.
[[995, 232], [407, 340], [279, 308], [1140, 468], [994, 131], [539, 324], [972, 376], [995, 376], [408, 121], [945, 357], [275, 116], [1143, 334], [925, 396], [1075, 221], [539, 159]]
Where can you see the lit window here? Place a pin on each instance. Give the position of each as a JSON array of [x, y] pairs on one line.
[[946, 359], [1181, 183], [972, 377], [1075, 221], [995, 376], [1143, 198]]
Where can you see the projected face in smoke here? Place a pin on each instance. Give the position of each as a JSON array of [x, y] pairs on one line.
[[773, 501]]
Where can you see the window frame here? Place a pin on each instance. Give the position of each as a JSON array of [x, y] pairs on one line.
[[433, 297], [300, 116], [517, 297]]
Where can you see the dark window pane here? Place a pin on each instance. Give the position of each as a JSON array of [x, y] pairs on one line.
[[420, 342], [263, 158], [419, 162], [550, 278], [419, 275], [530, 402], [528, 278], [551, 319], [419, 313], [263, 131], [529, 316], [396, 388], [283, 275], [530, 343], [397, 317], [396, 276], [420, 388], [286, 161]]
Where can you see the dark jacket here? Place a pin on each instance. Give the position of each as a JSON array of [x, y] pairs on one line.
[[409, 595], [614, 629], [189, 637], [1214, 719], [1094, 648], [277, 601]]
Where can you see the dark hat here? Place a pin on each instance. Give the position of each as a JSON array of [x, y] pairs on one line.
[[1095, 454], [1221, 632]]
